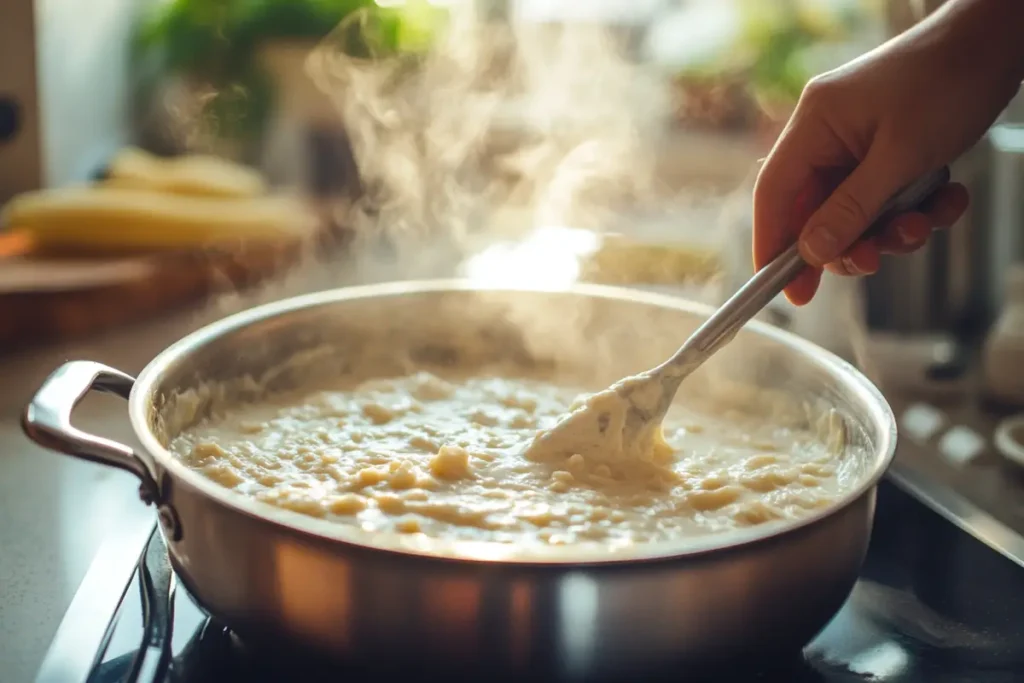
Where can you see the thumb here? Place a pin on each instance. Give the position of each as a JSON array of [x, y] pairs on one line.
[[851, 209]]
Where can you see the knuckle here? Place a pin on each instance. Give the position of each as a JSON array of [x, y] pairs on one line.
[[819, 90]]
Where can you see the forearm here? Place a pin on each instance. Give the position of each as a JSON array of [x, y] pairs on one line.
[[986, 36]]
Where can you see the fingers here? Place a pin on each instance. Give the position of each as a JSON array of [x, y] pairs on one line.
[[782, 200], [785, 196], [793, 182], [849, 211], [863, 258], [945, 207], [790, 186], [905, 233], [802, 288], [908, 232]]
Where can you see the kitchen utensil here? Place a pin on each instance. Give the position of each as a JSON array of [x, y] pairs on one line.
[[275, 575], [649, 394]]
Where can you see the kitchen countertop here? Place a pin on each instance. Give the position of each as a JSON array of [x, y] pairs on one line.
[[56, 510]]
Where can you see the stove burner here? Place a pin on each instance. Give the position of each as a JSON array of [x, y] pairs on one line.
[[933, 605], [218, 654]]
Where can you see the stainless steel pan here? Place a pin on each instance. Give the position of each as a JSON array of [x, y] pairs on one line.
[[277, 576]]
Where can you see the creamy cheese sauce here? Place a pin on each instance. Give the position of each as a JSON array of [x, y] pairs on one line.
[[618, 424], [449, 458]]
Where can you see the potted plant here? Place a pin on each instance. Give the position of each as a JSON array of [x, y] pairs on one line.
[[753, 80], [212, 71]]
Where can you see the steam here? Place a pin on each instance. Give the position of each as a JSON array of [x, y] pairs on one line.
[[502, 128], [551, 122]]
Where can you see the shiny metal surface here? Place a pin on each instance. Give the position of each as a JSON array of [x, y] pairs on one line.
[[47, 419], [960, 511], [73, 650], [271, 573], [158, 588]]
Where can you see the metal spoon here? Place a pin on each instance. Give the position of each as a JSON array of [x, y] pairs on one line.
[[646, 397]]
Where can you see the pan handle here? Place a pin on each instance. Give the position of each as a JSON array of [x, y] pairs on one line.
[[47, 419]]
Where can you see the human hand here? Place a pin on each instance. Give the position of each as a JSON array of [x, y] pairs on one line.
[[862, 132]]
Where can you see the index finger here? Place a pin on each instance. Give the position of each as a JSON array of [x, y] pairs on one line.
[[786, 194], [806, 164], [782, 185]]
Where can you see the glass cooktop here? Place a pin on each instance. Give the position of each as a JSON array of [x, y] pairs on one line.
[[934, 603]]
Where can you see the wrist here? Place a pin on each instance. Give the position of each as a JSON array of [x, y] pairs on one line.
[[988, 36]]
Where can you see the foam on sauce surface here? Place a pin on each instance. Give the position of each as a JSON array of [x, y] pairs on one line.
[[445, 458]]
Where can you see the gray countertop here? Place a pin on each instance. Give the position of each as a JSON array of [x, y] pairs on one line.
[[55, 511]]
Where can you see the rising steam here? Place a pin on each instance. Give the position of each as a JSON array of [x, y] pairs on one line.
[[503, 127], [551, 121]]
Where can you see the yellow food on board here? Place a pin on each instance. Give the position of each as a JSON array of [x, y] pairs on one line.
[[196, 174], [119, 218]]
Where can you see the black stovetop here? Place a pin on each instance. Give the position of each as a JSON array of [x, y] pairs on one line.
[[933, 604]]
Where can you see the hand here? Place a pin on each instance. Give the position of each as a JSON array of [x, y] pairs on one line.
[[862, 132]]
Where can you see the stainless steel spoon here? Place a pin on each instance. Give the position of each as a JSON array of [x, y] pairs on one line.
[[646, 397]]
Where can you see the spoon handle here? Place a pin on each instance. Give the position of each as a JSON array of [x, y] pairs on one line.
[[769, 282]]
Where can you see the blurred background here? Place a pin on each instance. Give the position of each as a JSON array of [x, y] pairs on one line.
[[178, 141], [166, 162]]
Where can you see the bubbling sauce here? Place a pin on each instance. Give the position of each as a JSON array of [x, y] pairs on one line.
[[448, 458]]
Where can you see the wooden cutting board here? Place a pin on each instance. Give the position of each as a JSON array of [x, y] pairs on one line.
[[46, 299]]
